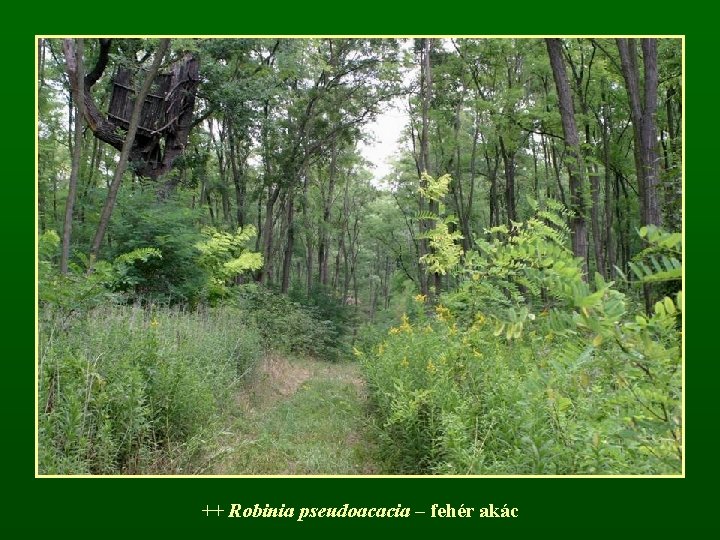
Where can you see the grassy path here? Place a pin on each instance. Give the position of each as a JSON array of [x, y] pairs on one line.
[[298, 417]]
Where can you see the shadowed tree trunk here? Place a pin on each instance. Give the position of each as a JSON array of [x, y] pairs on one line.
[[290, 242], [642, 112], [573, 157], [509, 163], [74, 58], [644, 130], [323, 247]]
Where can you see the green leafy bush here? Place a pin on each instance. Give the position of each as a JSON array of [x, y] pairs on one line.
[[528, 369], [170, 227], [225, 257], [289, 326], [79, 291]]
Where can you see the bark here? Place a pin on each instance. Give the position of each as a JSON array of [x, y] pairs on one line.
[[273, 193], [424, 158], [289, 244], [41, 62], [608, 240], [238, 173], [573, 157], [267, 234], [125, 152], [492, 167], [595, 219], [74, 58], [653, 215], [509, 163], [642, 112], [327, 207], [465, 224], [220, 145]]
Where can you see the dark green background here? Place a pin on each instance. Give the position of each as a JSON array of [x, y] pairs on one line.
[[100, 506]]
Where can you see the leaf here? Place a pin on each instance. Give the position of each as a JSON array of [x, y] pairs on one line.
[[669, 306]]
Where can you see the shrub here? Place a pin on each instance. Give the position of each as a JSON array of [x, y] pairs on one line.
[[142, 222], [289, 326], [528, 369]]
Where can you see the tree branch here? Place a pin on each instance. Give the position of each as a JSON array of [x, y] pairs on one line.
[[92, 77]]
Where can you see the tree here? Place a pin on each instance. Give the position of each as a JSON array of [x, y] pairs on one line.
[[573, 157], [643, 109], [74, 59]]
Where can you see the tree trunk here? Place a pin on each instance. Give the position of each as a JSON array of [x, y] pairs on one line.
[[424, 158], [573, 157], [643, 113], [595, 219], [74, 58], [653, 215], [509, 162], [267, 234], [125, 153], [608, 240], [327, 207], [290, 242], [492, 167], [238, 172]]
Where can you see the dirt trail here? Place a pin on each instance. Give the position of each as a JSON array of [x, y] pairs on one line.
[[299, 416]]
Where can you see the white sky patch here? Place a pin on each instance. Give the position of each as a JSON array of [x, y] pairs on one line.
[[384, 141]]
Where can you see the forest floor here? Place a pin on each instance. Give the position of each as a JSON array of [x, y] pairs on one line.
[[298, 416]]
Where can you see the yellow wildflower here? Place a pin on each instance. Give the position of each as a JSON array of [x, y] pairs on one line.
[[443, 313], [405, 326], [154, 323], [394, 330], [431, 367], [420, 298]]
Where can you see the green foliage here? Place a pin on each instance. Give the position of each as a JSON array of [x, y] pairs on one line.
[[435, 188], [444, 252], [225, 257], [134, 390], [169, 227], [325, 305], [660, 260], [527, 369], [79, 291], [289, 326]]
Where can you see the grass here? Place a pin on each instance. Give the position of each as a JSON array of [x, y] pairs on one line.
[[130, 390], [299, 417]]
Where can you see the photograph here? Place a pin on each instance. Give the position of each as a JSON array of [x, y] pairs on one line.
[[383, 256]]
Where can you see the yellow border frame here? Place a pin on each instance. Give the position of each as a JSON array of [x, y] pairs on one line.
[[258, 36]]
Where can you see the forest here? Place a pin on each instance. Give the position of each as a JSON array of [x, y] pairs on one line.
[[396, 256]]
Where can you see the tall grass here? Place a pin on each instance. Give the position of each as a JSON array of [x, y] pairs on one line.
[[136, 390]]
